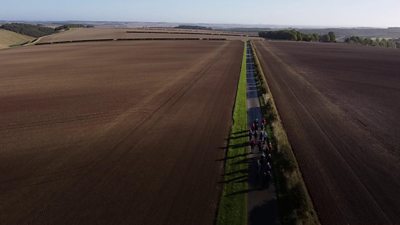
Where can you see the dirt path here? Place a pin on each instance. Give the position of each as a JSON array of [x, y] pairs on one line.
[[123, 134], [349, 172]]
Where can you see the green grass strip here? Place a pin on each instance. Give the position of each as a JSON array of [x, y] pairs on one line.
[[233, 205]]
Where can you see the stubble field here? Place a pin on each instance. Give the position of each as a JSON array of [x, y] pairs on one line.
[[8, 38]]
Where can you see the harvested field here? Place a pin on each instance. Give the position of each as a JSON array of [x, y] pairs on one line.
[[189, 32], [117, 33], [8, 38], [340, 107], [115, 132]]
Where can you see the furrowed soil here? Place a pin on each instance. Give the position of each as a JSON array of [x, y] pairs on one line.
[[340, 107], [115, 133]]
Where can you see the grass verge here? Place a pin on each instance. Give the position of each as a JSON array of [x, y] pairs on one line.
[[294, 202], [233, 204]]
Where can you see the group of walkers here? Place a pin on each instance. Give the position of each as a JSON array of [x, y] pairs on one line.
[[260, 143]]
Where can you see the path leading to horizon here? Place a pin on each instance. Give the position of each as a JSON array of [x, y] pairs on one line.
[[262, 201]]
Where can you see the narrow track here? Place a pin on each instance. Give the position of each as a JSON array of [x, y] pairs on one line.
[[262, 200]]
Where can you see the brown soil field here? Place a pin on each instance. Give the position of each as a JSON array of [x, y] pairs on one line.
[[116, 132], [340, 106], [116, 33]]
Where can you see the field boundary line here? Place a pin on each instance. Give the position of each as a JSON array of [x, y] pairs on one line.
[[294, 201], [126, 39]]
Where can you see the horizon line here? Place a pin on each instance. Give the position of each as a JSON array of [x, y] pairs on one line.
[[252, 25]]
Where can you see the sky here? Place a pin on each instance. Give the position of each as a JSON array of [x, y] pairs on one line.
[[335, 13]]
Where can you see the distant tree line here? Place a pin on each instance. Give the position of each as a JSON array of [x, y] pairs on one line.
[[38, 30], [28, 29], [193, 27], [294, 35], [69, 26], [376, 42]]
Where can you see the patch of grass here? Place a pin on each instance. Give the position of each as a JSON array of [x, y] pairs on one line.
[[294, 202], [233, 205], [11, 39]]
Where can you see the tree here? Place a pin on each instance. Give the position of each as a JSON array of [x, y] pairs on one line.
[[298, 35], [294, 35], [307, 37], [315, 37], [290, 35], [377, 42], [332, 37], [325, 38], [28, 29], [383, 43]]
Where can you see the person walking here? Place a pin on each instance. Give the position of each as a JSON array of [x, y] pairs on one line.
[[255, 124], [269, 158], [252, 145], [259, 145], [264, 122], [250, 134], [255, 134]]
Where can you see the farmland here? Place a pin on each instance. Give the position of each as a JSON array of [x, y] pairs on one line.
[[122, 33], [8, 38], [115, 132], [340, 105], [134, 132]]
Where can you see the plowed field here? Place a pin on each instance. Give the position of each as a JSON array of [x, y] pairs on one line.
[[116, 132], [340, 105]]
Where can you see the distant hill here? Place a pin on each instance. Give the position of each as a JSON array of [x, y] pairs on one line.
[[9, 38], [394, 29], [193, 27], [342, 33], [28, 29]]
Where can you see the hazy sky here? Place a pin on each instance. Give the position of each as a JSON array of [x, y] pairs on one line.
[[381, 13]]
